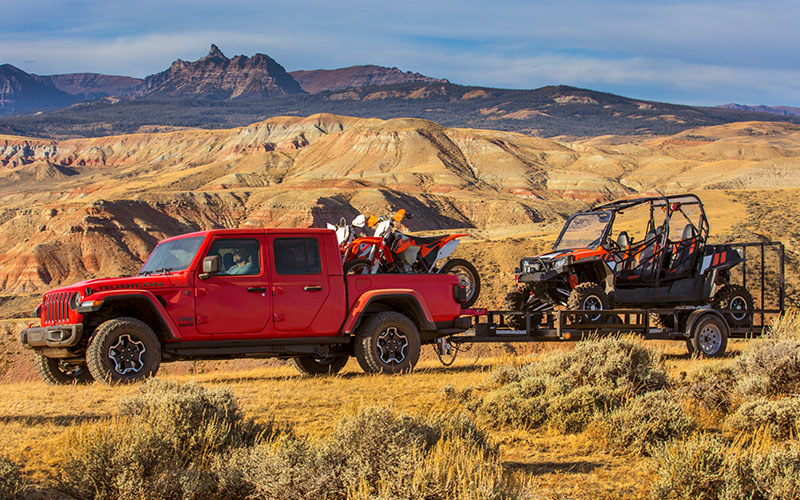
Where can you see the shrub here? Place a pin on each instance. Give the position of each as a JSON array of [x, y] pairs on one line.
[[567, 389], [705, 467], [647, 420], [712, 387], [770, 368], [12, 486], [780, 417], [159, 446]]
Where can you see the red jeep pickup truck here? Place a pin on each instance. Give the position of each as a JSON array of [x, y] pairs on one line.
[[236, 293]]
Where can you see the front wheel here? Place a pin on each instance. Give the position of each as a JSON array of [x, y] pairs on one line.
[[589, 296], [387, 342], [59, 372], [123, 350], [467, 276], [330, 365]]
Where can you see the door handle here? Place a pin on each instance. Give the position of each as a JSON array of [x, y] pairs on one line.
[[257, 289], [313, 288]]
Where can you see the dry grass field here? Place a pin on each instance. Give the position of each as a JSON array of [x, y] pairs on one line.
[[38, 422]]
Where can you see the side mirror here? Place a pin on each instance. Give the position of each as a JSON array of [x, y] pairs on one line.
[[360, 220], [210, 266]]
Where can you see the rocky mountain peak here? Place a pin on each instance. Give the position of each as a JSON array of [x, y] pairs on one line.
[[215, 52]]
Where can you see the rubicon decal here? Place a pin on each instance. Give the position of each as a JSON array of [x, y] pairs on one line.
[[124, 286]]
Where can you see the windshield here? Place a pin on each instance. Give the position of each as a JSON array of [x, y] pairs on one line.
[[583, 231], [173, 255]]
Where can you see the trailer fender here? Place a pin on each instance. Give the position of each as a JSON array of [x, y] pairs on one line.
[[698, 314]]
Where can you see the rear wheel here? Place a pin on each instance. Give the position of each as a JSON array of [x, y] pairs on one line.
[[330, 365], [467, 276], [709, 337], [358, 266], [739, 300], [59, 372], [589, 296], [123, 350], [387, 342]]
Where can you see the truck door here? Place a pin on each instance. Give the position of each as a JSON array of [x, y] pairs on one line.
[[236, 299], [299, 281]]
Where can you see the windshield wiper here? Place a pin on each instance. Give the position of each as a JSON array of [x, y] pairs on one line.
[[163, 270]]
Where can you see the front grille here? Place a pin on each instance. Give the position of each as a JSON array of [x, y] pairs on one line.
[[55, 308]]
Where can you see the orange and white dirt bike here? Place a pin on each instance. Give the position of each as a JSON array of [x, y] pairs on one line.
[[390, 251], [345, 233]]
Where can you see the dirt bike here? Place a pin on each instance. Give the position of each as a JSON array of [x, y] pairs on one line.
[[390, 251], [345, 233]]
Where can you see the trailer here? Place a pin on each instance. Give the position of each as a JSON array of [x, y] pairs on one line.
[[704, 329]]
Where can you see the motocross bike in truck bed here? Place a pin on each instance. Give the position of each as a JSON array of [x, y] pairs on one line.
[[236, 293]]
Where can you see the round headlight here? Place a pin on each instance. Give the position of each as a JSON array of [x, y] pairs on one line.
[[74, 301], [560, 262]]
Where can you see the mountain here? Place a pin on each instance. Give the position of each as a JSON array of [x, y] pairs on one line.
[[776, 110], [22, 92], [87, 86], [320, 80], [545, 112], [217, 77]]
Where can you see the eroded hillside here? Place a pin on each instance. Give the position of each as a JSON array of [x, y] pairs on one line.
[[78, 208]]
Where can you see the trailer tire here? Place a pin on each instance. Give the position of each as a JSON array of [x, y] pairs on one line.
[[588, 296], [123, 350], [709, 336], [324, 366], [55, 371], [738, 298], [387, 342]]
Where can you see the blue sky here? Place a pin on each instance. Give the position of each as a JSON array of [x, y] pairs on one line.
[[702, 52]]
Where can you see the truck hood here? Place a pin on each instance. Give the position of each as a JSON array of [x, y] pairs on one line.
[[121, 283]]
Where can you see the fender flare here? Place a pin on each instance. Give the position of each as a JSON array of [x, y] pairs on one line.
[[698, 314], [167, 327], [410, 297]]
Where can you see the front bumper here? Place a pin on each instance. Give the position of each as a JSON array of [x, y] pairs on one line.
[[51, 336]]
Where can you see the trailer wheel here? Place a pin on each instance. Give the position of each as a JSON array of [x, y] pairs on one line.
[[589, 296], [387, 342], [324, 366], [59, 372], [123, 350], [709, 336], [737, 298]]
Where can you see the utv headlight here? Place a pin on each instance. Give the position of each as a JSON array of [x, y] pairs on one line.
[[559, 263]]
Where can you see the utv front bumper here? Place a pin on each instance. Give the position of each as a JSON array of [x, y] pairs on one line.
[[51, 336]]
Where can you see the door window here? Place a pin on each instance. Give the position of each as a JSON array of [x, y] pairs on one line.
[[295, 256], [237, 256]]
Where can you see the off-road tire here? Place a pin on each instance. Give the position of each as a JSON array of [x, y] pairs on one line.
[[53, 371], [326, 366], [516, 300], [663, 321], [734, 297], [466, 268], [709, 337], [387, 335], [586, 295], [358, 266], [131, 339]]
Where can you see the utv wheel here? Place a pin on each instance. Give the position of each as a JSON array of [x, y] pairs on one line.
[[467, 276], [358, 266], [517, 300], [709, 337], [738, 299], [387, 342], [588, 296], [123, 350], [59, 372], [324, 366]]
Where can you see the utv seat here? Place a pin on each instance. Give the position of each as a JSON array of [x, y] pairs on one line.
[[642, 262], [683, 256]]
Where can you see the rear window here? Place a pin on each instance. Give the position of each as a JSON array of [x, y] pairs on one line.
[[296, 256]]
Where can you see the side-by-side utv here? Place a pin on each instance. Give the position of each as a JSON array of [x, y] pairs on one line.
[[645, 253]]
